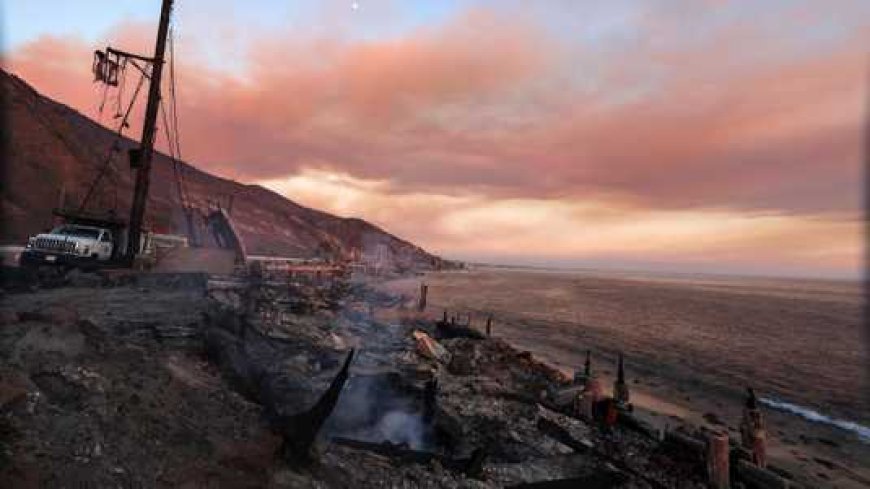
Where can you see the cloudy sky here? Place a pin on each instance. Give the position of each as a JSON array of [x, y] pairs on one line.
[[678, 135]]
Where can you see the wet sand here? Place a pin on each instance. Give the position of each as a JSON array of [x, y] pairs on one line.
[[692, 344]]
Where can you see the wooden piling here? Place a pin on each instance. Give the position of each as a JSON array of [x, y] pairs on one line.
[[587, 365], [424, 291], [591, 394], [718, 472], [620, 388], [753, 433], [489, 325]]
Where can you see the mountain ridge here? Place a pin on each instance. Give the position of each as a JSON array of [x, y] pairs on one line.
[[52, 153]]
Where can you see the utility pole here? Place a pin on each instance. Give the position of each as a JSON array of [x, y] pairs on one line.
[[141, 159]]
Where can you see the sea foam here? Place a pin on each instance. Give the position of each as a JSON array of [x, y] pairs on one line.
[[862, 431]]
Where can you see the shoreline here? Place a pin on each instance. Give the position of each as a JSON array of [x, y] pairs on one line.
[[823, 453]]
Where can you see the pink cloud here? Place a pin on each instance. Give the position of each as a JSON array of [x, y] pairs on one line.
[[498, 105]]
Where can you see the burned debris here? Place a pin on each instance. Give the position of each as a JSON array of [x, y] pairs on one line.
[[300, 431], [321, 391], [330, 393]]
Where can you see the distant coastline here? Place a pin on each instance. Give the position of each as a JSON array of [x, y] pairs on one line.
[[647, 273]]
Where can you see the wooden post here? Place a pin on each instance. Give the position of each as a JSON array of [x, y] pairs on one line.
[[753, 434], [424, 290], [489, 325], [620, 388], [717, 461], [444, 318], [591, 394], [587, 365]]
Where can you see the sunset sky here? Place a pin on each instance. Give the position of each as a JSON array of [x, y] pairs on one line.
[[687, 136]]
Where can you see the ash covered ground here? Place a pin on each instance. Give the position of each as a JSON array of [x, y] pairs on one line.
[[189, 380]]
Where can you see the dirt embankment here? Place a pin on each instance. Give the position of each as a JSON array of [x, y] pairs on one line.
[[107, 387]]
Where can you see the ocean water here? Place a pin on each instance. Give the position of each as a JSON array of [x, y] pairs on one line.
[[800, 343]]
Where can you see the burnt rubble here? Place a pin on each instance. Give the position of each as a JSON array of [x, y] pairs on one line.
[[152, 381]]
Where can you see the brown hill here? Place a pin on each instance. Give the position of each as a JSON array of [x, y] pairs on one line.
[[52, 153]]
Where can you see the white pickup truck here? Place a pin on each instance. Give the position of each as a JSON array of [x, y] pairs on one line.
[[70, 244]]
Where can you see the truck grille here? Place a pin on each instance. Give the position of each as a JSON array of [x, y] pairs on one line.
[[59, 245]]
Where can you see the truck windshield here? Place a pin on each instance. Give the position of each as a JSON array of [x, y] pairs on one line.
[[76, 232]]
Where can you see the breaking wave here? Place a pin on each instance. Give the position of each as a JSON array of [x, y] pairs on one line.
[[862, 431]]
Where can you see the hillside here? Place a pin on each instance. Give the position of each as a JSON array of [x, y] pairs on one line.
[[52, 154]]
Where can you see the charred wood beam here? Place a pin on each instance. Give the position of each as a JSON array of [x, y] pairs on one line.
[[598, 480], [126, 54], [472, 466], [398, 452], [643, 428], [757, 477], [561, 435], [300, 431], [445, 330], [430, 400]]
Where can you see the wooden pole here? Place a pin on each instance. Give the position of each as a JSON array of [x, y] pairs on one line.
[[587, 365], [149, 129], [591, 394], [620, 388], [424, 290], [489, 325], [717, 461], [753, 433]]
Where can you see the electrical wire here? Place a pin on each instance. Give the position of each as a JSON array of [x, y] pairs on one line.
[[173, 141], [113, 148]]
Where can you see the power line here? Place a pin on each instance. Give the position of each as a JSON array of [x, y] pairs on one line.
[[114, 147]]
